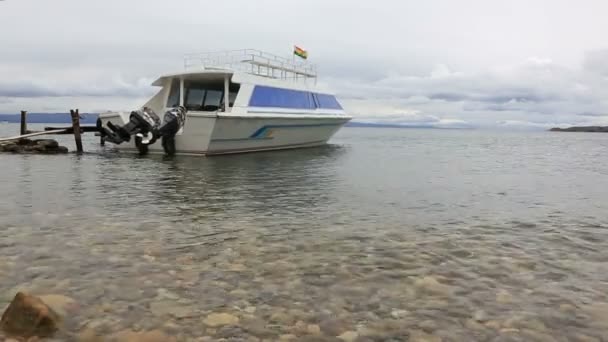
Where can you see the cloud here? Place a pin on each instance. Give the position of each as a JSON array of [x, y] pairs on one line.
[[435, 62]]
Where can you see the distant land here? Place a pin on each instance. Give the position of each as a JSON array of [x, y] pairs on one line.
[[393, 125], [49, 118], [91, 118], [591, 129]]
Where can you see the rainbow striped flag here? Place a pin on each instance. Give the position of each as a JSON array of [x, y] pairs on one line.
[[300, 52]]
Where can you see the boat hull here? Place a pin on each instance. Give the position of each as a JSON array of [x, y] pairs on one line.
[[215, 134]]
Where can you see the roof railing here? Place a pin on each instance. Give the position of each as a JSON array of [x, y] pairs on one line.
[[253, 62]]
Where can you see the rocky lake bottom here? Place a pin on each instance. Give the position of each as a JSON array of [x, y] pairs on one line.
[[385, 235]]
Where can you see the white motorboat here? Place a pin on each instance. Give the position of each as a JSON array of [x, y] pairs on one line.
[[230, 102]]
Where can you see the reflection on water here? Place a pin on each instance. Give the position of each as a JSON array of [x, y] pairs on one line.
[[385, 235]]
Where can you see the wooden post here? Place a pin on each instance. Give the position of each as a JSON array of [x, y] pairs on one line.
[[23, 122], [76, 127]]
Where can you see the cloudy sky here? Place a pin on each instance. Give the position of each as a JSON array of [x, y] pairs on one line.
[[483, 63]]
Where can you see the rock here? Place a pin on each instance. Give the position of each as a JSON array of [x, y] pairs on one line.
[[508, 330], [313, 329], [24, 142], [282, 317], [61, 304], [419, 336], [28, 316], [584, 338], [431, 285], [480, 316], [61, 149], [504, 297], [47, 143], [14, 148], [171, 308], [287, 337], [399, 313], [88, 335], [250, 309], [149, 336], [473, 324], [220, 319], [349, 336], [166, 294], [493, 325], [333, 326], [428, 326], [149, 258], [537, 336]]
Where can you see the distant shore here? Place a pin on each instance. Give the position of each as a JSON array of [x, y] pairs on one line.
[[591, 129]]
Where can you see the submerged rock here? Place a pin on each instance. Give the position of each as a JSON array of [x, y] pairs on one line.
[[29, 316], [220, 319], [148, 336], [45, 146], [432, 286], [63, 305], [349, 336], [172, 308]]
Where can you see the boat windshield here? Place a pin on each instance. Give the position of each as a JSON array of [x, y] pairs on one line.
[[205, 96]]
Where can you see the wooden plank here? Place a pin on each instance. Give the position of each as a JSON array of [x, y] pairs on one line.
[[58, 131]]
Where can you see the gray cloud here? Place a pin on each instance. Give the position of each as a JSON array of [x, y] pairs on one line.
[[439, 62]]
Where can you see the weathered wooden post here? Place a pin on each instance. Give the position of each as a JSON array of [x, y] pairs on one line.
[[76, 128], [23, 122]]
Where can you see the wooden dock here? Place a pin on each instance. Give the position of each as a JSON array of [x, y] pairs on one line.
[[23, 139]]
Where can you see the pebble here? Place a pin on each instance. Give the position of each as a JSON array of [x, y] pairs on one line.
[[149, 336], [480, 316], [172, 308], [399, 313], [63, 305], [432, 285], [313, 329], [504, 297], [220, 319], [473, 324], [149, 258], [349, 336], [428, 326]]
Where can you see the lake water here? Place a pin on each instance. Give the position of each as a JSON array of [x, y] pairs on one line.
[[383, 235]]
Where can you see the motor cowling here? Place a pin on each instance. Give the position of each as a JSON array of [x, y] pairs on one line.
[[173, 121], [141, 122], [146, 126]]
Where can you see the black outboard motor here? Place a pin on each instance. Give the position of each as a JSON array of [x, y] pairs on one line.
[[173, 121], [145, 125], [142, 122]]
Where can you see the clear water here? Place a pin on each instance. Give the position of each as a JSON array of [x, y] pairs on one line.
[[388, 234]]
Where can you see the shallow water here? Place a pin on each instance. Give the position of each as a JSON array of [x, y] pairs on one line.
[[386, 234]]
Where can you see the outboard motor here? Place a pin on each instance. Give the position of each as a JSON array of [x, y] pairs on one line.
[[145, 125], [173, 121], [142, 122]]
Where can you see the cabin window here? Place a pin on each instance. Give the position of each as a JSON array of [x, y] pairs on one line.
[[213, 100], [264, 96], [234, 90], [208, 96], [194, 98], [327, 101], [174, 95]]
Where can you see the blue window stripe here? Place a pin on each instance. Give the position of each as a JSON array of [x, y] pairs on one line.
[[328, 101], [264, 96]]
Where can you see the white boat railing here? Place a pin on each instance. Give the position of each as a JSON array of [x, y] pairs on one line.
[[254, 62]]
